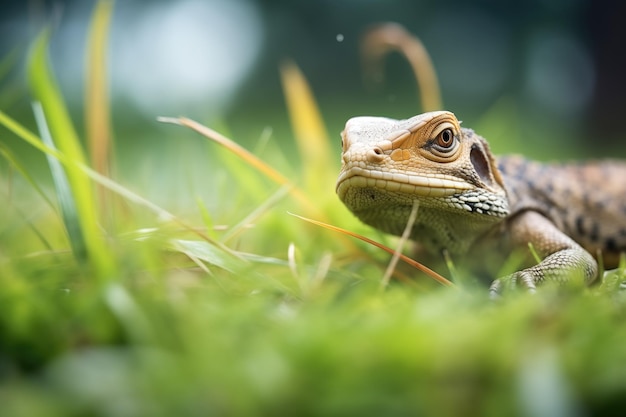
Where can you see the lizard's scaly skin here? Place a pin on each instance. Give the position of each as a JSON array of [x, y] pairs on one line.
[[468, 198]]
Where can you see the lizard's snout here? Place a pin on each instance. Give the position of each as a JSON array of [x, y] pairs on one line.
[[373, 155], [352, 151]]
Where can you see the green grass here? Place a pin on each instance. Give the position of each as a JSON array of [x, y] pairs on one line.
[[221, 303]]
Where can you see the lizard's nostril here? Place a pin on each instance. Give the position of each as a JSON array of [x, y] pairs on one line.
[[375, 155]]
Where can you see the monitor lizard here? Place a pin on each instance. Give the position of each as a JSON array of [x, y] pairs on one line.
[[469, 199]]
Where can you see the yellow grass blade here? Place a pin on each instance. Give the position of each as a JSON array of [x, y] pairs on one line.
[[310, 133], [389, 37], [402, 257], [97, 98], [242, 153]]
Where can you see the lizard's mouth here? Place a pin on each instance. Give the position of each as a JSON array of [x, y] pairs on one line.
[[410, 186]]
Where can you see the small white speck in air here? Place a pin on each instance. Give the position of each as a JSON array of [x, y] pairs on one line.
[[339, 37]]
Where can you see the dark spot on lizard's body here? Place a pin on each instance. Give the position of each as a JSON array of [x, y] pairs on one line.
[[580, 227], [595, 232], [530, 181], [622, 232], [450, 236], [611, 245], [600, 204], [585, 199]]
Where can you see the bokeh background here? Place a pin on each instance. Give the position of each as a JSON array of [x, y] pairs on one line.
[[542, 77]]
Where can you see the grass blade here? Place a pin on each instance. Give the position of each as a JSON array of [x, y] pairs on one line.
[[97, 115], [29, 137], [389, 37], [401, 242], [242, 153], [33, 228], [206, 218], [534, 253], [255, 214], [65, 138], [46, 91], [456, 277], [309, 131], [8, 62], [24, 134], [19, 167], [63, 191], [208, 253]]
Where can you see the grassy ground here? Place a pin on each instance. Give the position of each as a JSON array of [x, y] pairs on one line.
[[224, 304]]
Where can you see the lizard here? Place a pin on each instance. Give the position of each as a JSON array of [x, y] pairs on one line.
[[570, 212]]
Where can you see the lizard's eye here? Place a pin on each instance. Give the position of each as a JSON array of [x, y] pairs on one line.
[[445, 145], [445, 139], [441, 139]]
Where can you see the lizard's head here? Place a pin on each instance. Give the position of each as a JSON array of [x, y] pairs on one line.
[[389, 163]]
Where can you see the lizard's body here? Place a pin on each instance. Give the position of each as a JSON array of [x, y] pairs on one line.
[[586, 200], [468, 199]]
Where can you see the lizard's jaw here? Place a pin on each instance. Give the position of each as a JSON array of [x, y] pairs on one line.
[[411, 185], [366, 192]]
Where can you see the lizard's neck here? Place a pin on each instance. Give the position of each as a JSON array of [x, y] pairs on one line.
[[437, 227]]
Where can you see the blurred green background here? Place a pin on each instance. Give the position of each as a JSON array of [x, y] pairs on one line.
[[304, 326], [552, 69]]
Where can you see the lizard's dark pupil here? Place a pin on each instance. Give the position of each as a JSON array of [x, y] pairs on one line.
[[446, 137]]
